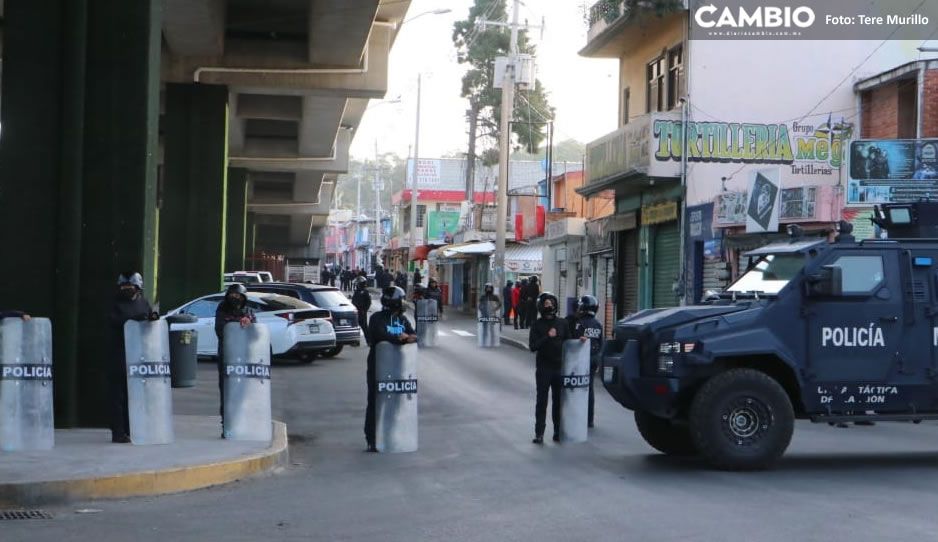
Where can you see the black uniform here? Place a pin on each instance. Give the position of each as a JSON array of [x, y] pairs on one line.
[[383, 326], [362, 301], [506, 308], [530, 293], [122, 310], [589, 327], [547, 375], [225, 314], [437, 295]]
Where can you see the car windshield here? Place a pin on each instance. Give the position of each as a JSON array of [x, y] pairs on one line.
[[275, 302], [329, 298], [246, 278], [769, 274]]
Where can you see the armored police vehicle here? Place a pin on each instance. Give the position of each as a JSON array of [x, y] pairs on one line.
[[829, 332]]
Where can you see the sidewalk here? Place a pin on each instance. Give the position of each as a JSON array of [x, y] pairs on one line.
[[510, 336], [85, 464]]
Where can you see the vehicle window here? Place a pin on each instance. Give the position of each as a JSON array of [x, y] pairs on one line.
[[203, 308], [769, 274], [274, 302], [861, 274], [329, 298], [247, 278]]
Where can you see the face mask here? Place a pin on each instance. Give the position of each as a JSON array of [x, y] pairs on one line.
[[128, 293]]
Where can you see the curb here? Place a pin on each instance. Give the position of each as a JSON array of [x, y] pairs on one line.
[[517, 343], [150, 483]]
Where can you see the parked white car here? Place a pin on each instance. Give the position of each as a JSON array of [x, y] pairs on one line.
[[297, 328]]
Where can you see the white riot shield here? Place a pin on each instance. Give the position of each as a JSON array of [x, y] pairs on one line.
[[490, 325], [427, 316], [26, 421], [149, 391], [574, 397], [247, 382], [396, 397]]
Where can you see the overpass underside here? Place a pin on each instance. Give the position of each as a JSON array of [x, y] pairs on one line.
[[173, 137]]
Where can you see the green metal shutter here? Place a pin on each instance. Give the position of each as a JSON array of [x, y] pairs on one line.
[[628, 275], [667, 263]]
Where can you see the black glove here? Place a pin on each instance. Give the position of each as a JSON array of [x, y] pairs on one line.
[[153, 316]]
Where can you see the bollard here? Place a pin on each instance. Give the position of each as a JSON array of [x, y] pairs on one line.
[[247, 382], [149, 395], [26, 418], [427, 317], [396, 397], [490, 325], [574, 395]]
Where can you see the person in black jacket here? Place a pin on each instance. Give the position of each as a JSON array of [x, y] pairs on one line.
[[434, 292], [362, 301], [129, 304], [507, 306], [234, 308], [531, 310], [388, 325], [586, 327], [546, 339]]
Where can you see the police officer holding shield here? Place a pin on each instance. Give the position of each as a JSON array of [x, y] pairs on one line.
[[433, 292], [129, 304], [234, 308], [390, 325], [586, 327], [546, 339], [361, 299]]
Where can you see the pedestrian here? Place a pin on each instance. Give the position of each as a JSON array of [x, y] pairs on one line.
[[516, 301], [129, 304], [361, 299], [433, 292], [533, 293], [509, 306], [418, 279], [587, 327], [234, 308], [324, 276], [546, 339], [523, 304], [387, 325], [332, 277]]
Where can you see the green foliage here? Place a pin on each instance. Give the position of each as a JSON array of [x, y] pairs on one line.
[[479, 49], [568, 150]]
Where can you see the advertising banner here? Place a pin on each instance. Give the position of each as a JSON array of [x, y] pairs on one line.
[[763, 207], [892, 171], [442, 226]]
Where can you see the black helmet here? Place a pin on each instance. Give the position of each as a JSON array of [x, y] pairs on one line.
[[524, 282], [509, 284], [240, 290], [361, 283], [533, 280], [587, 304], [544, 310], [489, 288], [431, 283], [131, 278], [392, 298]]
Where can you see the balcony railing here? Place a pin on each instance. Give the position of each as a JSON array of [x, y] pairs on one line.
[[603, 14]]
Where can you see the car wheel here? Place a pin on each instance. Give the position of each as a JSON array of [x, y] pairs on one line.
[[307, 357], [741, 420], [664, 435], [333, 352]]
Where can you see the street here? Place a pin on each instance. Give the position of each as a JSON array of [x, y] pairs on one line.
[[477, 476]]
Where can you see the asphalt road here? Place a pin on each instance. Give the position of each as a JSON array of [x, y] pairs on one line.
[[477, 477]]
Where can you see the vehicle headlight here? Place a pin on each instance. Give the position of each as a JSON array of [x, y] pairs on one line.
[[675, 348], [665, 364]]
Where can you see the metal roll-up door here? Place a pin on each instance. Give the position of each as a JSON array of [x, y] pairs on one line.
[[667, 263], [608, 293], [628, 273]]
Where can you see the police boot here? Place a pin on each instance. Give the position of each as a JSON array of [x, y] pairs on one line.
[[538, 439]]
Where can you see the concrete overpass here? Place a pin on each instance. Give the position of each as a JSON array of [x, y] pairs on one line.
[[173, 137]]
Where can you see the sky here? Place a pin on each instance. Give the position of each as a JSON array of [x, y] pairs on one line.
[[582, 90]]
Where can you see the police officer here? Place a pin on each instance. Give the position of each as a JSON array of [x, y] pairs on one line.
[[362, 301], [546, 339], [434, 292], [585, 327], [390, 325], [129, 304], [234, 308]]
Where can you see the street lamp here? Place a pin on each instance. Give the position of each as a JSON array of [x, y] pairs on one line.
[[440, 11]]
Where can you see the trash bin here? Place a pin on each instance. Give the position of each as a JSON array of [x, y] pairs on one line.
[[183, 351]]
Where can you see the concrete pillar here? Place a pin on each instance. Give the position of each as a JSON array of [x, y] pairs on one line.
[[193, 211], [236, 241], [78, 198]]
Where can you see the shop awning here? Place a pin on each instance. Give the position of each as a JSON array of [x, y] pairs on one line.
[[484, 248], [420, 253], [525, 259]]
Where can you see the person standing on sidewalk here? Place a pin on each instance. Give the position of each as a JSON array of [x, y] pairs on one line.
[[234, 308], [546, 340], [387, 325], [517, 294], [509, 306], [531, 310], [129, 304], [586, 327]]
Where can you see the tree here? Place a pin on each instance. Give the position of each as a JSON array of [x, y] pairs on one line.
[[391, 167], [478, 48]]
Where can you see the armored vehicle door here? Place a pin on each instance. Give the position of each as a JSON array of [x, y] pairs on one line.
[[855, 335]]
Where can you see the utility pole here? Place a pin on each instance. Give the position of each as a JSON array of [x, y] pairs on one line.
[[413, 186], [377, 204], [358, 216], [501, 202]]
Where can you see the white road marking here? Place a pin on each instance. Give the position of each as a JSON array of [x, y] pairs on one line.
[[442, 333], [462, 333]]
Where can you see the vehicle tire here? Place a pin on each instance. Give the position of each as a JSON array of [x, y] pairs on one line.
[[741, 420], [307, 357], [332, 352], [664, 435]]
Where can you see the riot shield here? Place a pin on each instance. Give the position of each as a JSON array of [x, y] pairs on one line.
[[149, 391], [490, 325], [574, 397], [247, 382], [396, 397], [427, 316], [26, 385]]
